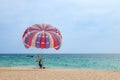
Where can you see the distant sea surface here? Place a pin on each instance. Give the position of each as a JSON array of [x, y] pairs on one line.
[[80, 61]]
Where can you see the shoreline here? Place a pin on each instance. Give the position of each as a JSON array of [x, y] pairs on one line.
[[25, 73], [29, 67]]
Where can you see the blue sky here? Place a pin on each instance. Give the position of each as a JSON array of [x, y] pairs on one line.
[[87, 26]]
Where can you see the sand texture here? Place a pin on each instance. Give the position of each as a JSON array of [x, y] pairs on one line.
[[15, 73]]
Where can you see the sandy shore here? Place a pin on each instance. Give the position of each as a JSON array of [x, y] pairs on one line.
[[16, 73]]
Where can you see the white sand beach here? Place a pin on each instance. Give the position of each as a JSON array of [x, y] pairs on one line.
[[18, 73]]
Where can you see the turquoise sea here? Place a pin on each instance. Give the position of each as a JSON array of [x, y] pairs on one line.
[[81, 61]]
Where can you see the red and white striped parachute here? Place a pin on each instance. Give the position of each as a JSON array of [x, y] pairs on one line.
[[42, 36]]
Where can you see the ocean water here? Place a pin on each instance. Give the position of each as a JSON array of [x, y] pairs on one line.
[[81, 61]]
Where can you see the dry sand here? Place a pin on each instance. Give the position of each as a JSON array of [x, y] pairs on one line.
[[15, 73]]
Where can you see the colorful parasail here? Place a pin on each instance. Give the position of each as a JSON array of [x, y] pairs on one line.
[[42, 36]]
